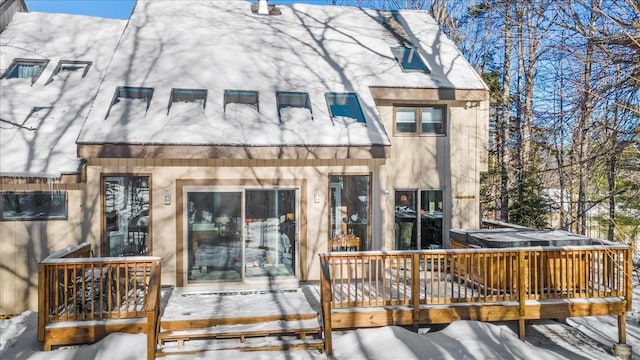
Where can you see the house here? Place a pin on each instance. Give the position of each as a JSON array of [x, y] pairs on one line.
[[238, 141], [8, 8]]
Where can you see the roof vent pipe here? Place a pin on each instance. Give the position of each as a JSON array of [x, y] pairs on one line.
[[263, 8]]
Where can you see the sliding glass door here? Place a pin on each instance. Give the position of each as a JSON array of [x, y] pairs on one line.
[[214, 235], [233, 235], [270, 232]]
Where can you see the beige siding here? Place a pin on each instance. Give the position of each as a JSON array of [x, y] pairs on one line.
[[451, 163], [23, 244]]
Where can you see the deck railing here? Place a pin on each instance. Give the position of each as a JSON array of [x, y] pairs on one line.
[[78, 289], [474, 276]]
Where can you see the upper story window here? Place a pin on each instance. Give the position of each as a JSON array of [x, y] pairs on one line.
[[68, 68], [25, 69], [344, 105], [408, 59], [188, 97], [33, 206], [247, 97], [131, 101], [293, 105], [424, 120]]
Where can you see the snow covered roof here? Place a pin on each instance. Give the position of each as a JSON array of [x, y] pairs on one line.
[[40, 121], [222, 45]]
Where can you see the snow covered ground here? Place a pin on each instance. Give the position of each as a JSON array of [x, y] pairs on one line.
[[575, 338]]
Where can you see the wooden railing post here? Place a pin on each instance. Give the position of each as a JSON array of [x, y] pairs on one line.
[[43, 301], [152, 310], [521, 294], [628, 276], [325, 300], [415, 289]]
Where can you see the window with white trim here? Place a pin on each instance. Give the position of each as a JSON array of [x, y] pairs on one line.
[[25, 69], [422, 120], [69, 68], [408, 59], [344, 106], [293, 105], [130, 101], [247, 97], [188, 98]]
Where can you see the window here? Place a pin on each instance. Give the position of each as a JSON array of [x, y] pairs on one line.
[[247, 97], [68, 68], [137, 99], [408, 59], [349, 196], [194, 96], [25, 69], [411, 205], [293, 103], [432, 121], [126, 215], [406, 120], [428, 119], [33, 206], [344, 105]]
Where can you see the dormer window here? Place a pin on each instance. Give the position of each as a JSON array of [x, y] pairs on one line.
[[246, 97], [25, 69], [408, 59], [189, 97], [68, 68], [293, 105], [131, 101], [344, 106]]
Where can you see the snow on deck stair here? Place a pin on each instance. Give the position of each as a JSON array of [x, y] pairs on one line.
[[195, 322]]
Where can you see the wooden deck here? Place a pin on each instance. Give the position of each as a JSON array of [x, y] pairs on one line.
[[414, 288], [84, 299]]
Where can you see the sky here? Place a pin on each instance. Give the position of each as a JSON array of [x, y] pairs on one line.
[[114, 9]]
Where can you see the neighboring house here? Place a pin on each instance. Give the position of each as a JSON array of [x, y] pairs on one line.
[[238, 146], [8, 8], [51, 65]]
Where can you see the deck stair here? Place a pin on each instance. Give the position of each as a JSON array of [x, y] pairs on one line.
[[295, 326], [243, 334]]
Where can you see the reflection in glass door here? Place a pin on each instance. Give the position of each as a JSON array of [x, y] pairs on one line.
[[426, 205], [214, 235], [270, 217]]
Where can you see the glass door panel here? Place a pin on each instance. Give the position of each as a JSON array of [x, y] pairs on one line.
[[214, 238], [349, 196], [270, 230], [411, 205], [126, 215], [431, 217]]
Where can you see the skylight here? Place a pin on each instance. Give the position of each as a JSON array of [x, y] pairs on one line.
[[131, 95], [286, 99], [408, 59], [247, 97], [25, 69], [68, 68], [195, 96], [344, 105]]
